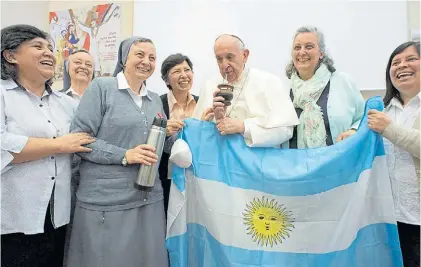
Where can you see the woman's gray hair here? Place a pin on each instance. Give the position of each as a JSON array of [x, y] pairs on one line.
[[327, 60]]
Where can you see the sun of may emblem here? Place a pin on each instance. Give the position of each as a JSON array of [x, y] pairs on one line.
[[268, 222]]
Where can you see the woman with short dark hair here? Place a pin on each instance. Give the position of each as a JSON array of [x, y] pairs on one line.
[[179, 104], [35, 151]]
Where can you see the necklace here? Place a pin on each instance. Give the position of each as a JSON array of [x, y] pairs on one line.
[[241, 90]]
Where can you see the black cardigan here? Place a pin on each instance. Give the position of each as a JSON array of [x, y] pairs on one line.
[[163, 165]]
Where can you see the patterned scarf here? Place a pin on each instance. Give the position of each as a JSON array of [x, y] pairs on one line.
[[311, 131]]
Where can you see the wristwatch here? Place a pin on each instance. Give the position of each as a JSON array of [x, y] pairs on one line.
[[124, 161]]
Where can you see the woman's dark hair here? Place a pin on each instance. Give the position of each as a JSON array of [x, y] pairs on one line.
[[11, 39], [391, 91], [172, 61]]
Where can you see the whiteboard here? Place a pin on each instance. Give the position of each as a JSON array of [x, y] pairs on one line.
[[360, 36]]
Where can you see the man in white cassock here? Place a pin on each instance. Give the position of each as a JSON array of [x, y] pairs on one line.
[[261, 109]]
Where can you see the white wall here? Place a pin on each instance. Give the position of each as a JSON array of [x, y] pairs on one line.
[[413, 23], [414, 14], [36, 13], [359, 34], [25, 12]]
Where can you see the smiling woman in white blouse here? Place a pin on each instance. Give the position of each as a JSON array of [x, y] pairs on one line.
[[400, 125], [35, 151]]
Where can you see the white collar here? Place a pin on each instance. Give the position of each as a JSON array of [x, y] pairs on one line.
[[10, 84], [70, 90], [418, 97], [123, 85], [243, 76], [395, 102]]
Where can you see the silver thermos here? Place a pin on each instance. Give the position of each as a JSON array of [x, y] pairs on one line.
[[147, 173]]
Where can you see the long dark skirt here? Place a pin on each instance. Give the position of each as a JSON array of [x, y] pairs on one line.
[[409, 237], [129, 238], [39, 250], [166, 185]]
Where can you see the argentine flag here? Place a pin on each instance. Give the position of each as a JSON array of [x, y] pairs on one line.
[[324, 207]]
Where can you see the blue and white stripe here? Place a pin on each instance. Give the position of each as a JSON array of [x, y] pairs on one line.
[[340, 198]]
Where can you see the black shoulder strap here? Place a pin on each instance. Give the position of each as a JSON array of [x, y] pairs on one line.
[[164, 99]]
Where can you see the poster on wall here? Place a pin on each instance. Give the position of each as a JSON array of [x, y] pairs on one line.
[[95, 29]]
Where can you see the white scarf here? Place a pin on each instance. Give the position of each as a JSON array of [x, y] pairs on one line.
[[311, 131]]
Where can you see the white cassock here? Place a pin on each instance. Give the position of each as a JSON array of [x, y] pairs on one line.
[[262, 102]]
